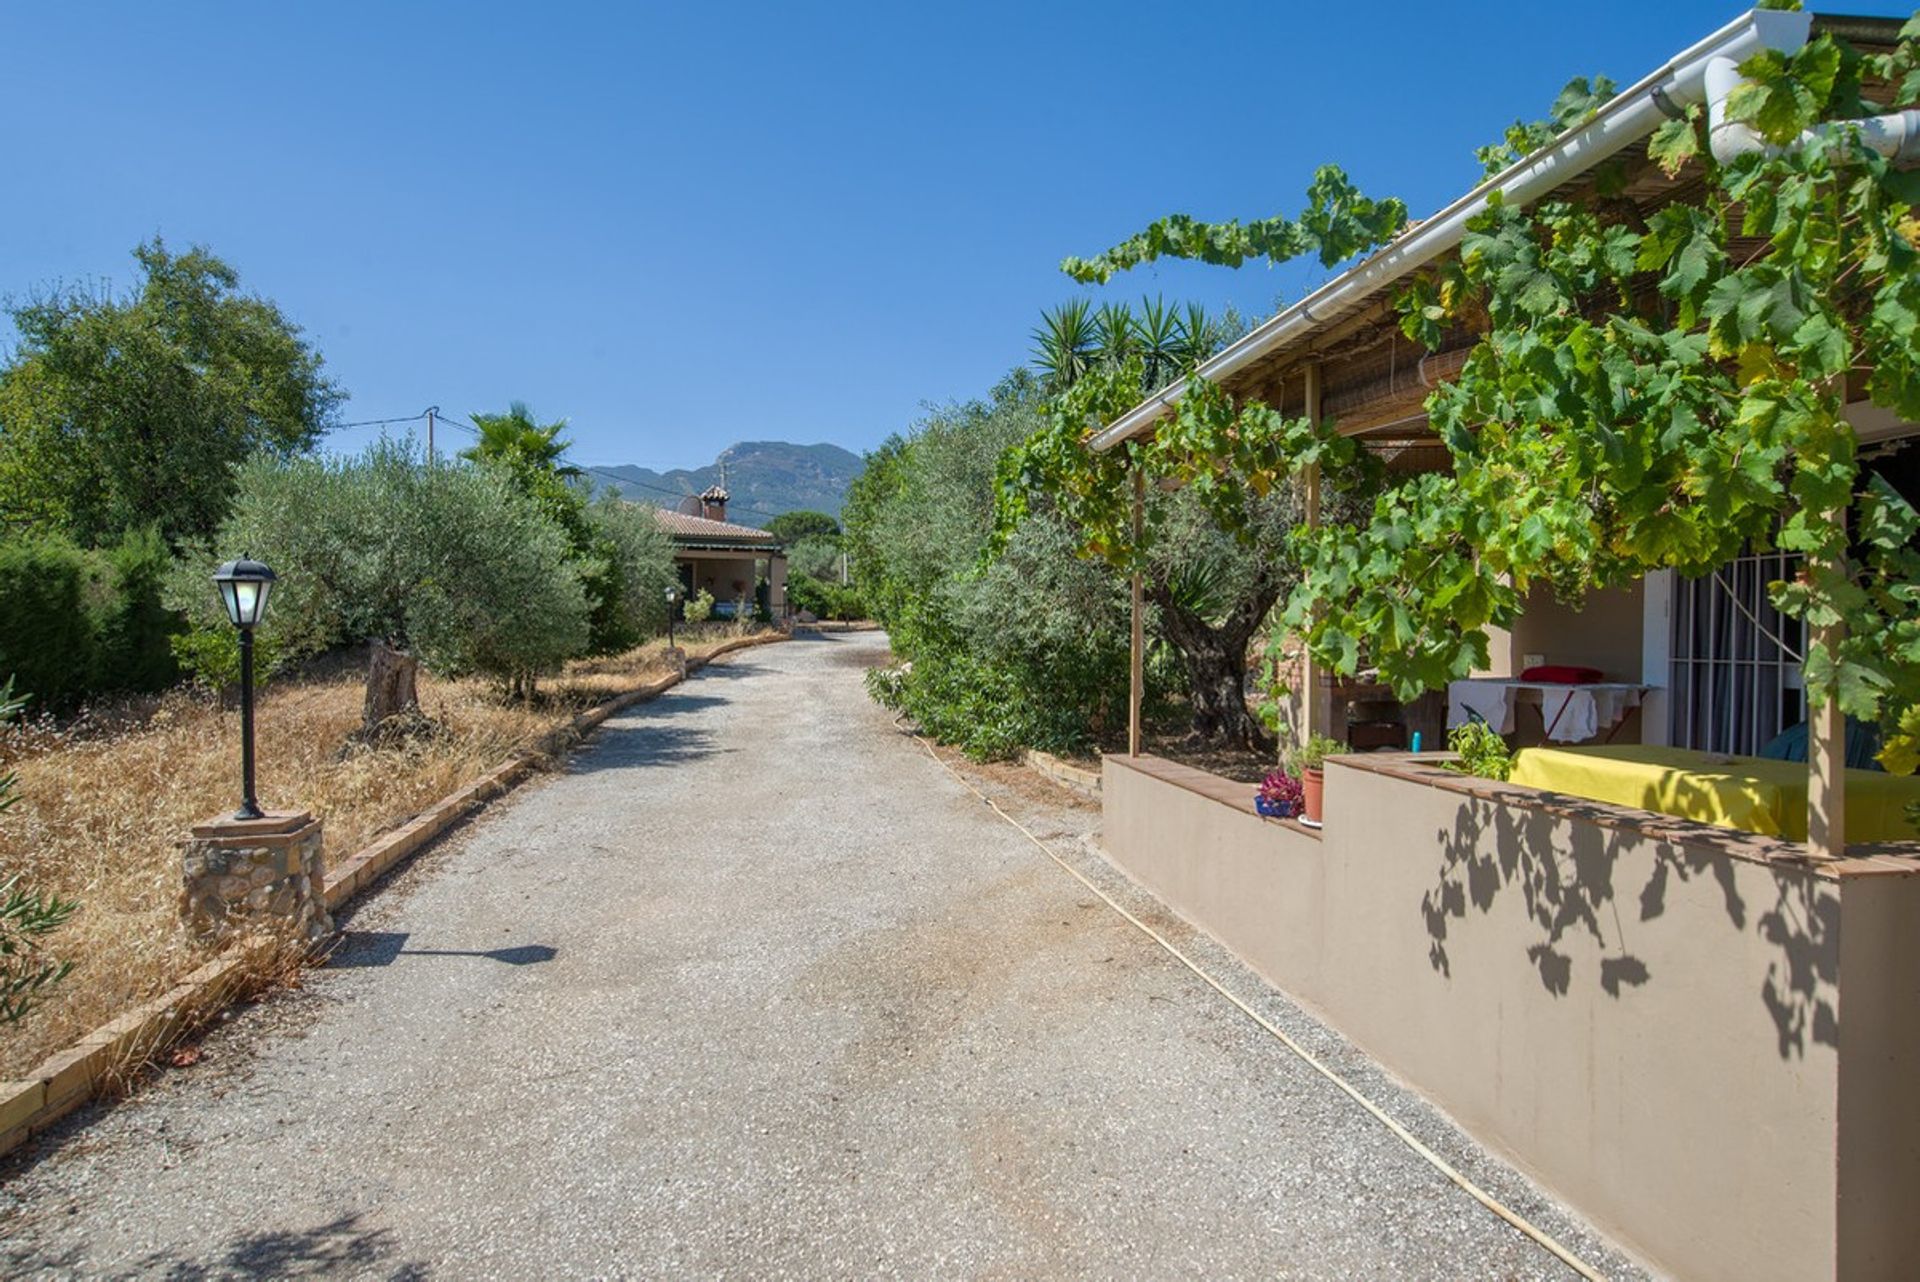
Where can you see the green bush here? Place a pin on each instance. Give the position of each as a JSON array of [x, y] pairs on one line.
[[699, 606], [135, 629], [450, 561], [638, 558], [75, 623], [210, 654], [825, 599], [47, 641], [1029, 650]]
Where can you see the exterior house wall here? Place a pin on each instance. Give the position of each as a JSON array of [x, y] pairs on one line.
[[1665, 1023], [718, 571]]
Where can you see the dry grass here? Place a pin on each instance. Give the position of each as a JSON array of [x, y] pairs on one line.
[[107, 799]]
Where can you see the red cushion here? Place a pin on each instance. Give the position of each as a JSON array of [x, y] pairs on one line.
[[1562, 674]]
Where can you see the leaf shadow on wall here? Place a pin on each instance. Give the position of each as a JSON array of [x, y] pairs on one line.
[[1564, 863]]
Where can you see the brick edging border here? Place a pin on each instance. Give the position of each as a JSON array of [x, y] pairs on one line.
[[1064, 773], [67, 1079]]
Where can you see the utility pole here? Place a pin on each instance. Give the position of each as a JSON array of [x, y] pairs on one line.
[[431, 411]]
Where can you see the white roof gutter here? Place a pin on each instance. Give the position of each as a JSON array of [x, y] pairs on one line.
[[1632, 115]]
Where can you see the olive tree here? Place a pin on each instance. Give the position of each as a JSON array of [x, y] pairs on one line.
[[449, 563]]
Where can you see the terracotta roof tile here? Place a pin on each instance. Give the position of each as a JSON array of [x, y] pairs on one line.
[[680, 525]]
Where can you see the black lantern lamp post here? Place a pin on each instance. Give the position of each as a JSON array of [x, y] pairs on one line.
[[244, 586], [673, 594]]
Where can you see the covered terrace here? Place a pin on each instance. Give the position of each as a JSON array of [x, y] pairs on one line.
[[1703, 1037]]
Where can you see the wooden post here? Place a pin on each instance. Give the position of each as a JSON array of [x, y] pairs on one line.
[[1827, 764], [1137, 645], [1309, 675]]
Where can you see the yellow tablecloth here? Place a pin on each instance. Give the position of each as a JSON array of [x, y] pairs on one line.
[[1753, 794]]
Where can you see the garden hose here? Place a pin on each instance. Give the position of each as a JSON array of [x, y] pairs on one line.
[[1400, 1132]]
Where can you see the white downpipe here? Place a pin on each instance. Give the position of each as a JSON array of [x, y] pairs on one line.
[[1895, 135], [1628, 118]]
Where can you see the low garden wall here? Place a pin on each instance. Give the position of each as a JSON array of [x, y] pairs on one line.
[[1701, 1039]]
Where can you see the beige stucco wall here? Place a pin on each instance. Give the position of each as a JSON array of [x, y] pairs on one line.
[[1880, 1077], [1604, 632], [1608, 631], [717, 572], [1647, 1023]]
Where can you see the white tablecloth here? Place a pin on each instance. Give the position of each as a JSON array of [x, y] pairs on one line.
[[1571, 713]]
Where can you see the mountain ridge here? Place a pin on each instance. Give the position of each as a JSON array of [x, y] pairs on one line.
[[764, 478]]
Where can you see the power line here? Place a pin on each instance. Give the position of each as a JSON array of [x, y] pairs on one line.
[[471, 430], [379, 422]]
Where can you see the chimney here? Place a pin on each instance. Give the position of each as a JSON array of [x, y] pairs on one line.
[[713, 504]]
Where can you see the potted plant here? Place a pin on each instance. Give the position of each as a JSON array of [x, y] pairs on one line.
[[1279, 796], [1307, 761]]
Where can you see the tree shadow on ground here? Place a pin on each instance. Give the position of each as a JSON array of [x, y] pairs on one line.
[[1563, 862], [733, 669], [651, 734], [341, 1247]]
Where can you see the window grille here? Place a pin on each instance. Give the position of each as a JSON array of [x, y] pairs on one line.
[[1736, 679]]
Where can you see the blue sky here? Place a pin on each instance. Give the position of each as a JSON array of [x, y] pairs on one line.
[[682, 226]]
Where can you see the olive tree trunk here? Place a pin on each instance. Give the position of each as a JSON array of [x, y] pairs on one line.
[[392, 692], [1215, 656]]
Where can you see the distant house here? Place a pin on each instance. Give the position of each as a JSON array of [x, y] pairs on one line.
[[733, 562]]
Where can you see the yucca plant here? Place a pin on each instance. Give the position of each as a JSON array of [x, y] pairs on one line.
[[1163, 340], [1119, 333], [1199, 335], [1066, 343]]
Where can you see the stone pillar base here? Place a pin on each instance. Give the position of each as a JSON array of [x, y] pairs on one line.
[[263, 873], [677, 659]]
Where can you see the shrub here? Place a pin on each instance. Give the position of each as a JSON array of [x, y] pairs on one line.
[[135, 629], [450, 561], [75, 623], [500, 598], [211, 656], [46, 631], [1030, 651], [825, 599], [699, 606], [815, 557], [639, 560]]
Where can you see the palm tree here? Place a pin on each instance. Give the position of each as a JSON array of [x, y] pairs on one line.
[[1066, 344], [514, 437]]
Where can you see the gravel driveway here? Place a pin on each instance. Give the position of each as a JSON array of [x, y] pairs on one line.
[[755, 987]]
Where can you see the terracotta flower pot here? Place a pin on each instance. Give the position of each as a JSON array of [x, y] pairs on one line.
[[1312, 782]]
